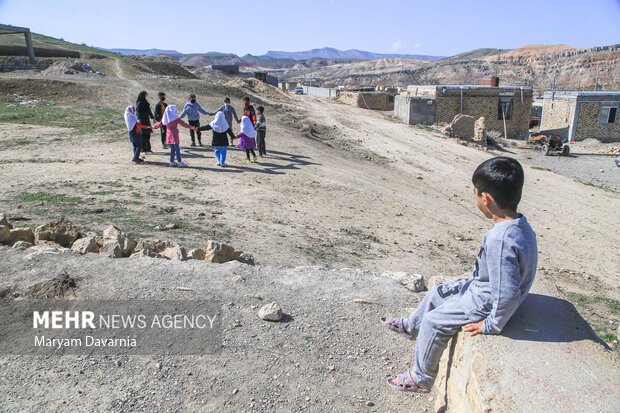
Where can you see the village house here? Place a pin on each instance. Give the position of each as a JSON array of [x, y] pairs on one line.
[[507, 105], [579, 115]]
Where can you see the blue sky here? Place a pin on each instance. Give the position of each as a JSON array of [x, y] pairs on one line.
[[384, 26]]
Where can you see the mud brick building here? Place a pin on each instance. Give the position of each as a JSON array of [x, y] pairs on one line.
[[439, 104], [581, 115]]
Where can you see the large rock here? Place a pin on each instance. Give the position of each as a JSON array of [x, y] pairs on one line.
[[271, 312], [61, 231], [5, 234], [22, 234], [219, 253], [112, 250], [196, 254], [546, 350], [412, 282], [85, 245], [480, 129], [462, 126], [114, 235]]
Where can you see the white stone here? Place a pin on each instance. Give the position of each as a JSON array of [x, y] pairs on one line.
[[271, 312]]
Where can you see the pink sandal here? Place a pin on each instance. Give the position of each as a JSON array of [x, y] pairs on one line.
[[404, 382], [396, 324]]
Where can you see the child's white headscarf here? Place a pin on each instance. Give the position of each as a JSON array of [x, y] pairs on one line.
[[247, 128], [170, 114], [219, 124], [130, 118]]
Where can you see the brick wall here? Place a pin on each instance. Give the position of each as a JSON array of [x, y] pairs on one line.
[[487, 106], [588, 125]]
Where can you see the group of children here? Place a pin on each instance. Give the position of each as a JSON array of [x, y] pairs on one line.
[[252, 123]]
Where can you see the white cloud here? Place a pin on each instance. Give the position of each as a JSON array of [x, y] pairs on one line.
[[417, 45], [398, 45]]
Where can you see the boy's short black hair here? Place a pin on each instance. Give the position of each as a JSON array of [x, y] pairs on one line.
[[160, 94], [246, 99], [192, 96], [502, 178], [226, 100], [260, 109]]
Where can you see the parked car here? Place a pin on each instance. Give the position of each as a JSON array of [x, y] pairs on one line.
[[299, 90]]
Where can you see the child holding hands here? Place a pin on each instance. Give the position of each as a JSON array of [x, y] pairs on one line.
[[171, 120]]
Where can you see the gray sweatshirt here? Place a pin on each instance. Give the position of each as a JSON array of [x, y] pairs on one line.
[[503, 274], [193, 111], [229, 112]]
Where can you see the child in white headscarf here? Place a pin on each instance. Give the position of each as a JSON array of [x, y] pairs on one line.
[[247, 135], [171, 121], [220, 140], [135, 137]]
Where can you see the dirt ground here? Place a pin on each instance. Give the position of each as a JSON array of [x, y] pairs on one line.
[[341, 187]]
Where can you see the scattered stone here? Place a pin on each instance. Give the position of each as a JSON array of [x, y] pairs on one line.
[[112, 250], [21, 245], [61, 231], [5, 234], [114, 234], [235, 391], [49, 244], [21, 234], [175, 252], [158, 366], [171, 226], [369, 404], [331, 368], [146, 253], [271, 312], [85, 245], [166, 249], [4, 221], [412, 282], [246, 258], [196, 254], [219, 253]]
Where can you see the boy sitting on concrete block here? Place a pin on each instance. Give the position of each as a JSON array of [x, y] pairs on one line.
[[483, 303]]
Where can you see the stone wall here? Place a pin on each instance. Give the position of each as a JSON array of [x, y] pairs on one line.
[[588, 125]]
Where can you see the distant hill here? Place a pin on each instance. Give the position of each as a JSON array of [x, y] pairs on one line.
[[146, 52], [331, 53]]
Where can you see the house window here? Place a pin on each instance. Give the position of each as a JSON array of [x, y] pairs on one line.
[[504, 108], [608, 114]]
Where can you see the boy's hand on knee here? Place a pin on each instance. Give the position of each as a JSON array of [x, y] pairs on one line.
[[473, 328]]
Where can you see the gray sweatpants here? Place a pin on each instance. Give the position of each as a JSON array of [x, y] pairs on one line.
[[438, 317]]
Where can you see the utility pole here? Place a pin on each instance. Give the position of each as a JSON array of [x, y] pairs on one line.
[[596, 82], [497, 64]]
